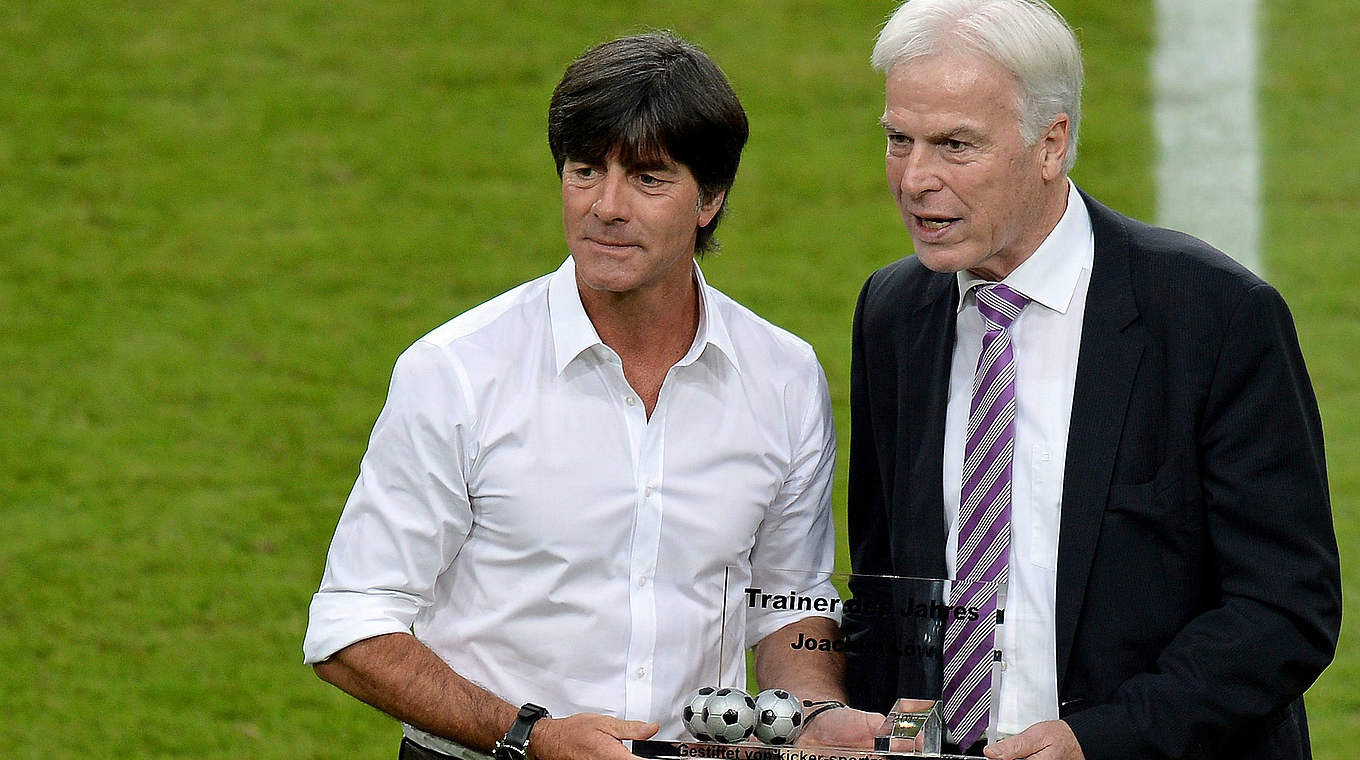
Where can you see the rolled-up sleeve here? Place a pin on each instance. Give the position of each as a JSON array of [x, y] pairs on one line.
[[408, 514]]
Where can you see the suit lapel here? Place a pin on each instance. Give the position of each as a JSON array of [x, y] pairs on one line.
[[928, 343], [1111, 347]]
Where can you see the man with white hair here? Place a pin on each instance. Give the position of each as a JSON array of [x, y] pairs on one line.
[[1107, 426]]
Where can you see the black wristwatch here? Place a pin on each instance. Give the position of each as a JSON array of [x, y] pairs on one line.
[[515, 744]]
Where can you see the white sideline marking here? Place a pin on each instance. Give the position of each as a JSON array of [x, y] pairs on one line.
[[1208, 157]]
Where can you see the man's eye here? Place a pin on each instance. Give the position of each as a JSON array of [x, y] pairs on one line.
[[649, 180], [898, 142], [585, 172], [955, 145]]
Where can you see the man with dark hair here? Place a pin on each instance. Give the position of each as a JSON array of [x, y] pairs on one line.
[[567, 481]]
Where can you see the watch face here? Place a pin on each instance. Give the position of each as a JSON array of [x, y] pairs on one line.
[[507, 752]]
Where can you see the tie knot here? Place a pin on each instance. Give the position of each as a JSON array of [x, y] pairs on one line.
[[999, 305]]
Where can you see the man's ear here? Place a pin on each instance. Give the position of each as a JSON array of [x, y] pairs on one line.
[[1053, 145], [709, 208]]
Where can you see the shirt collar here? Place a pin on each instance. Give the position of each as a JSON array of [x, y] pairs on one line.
[[1050, 275], [712, 327], [573, 333]]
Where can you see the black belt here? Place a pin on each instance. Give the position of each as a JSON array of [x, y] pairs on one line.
[[412, 751]]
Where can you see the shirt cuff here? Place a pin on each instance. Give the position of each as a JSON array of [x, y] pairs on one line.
[[337, 619]]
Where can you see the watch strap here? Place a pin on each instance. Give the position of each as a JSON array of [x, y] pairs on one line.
[[515, 744]]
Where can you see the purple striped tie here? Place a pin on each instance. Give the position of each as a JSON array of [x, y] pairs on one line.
[[984, 521]]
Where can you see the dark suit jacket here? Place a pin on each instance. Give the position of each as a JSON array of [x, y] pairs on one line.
[[1198, 589]]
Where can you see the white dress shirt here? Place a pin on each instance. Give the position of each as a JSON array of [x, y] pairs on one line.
[[518, 511], [1045, 339]]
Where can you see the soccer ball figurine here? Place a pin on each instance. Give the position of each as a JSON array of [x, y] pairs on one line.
[[693, 713], [779, 716], [729, 715]]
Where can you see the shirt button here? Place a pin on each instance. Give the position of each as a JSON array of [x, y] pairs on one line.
[[631, 401], [642, 581], [641, 673], [650, 490]]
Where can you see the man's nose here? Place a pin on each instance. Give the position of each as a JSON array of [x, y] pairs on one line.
[[920, 172], [611, 204]]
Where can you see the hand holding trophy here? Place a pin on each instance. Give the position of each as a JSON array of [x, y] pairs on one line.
[[895, 623]]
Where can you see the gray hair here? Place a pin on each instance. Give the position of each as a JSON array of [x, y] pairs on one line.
[[1027, 37]]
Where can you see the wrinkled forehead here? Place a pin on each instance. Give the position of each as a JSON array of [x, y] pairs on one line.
[[956, 82]]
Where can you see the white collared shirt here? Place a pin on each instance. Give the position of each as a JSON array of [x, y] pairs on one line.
[[1045, 340], [518, 511]]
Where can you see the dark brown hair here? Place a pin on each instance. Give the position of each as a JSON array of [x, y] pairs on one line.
[[647, 98]]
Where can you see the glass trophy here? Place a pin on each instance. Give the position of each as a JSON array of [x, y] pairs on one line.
[[891, 637], [912, 726]]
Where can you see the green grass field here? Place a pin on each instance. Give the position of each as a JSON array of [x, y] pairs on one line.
[[221, 222]]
